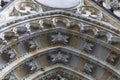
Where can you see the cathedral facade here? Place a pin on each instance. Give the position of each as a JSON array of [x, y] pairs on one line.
[[60, 40]]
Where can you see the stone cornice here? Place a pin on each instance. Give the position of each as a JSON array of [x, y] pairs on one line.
[[58, 13], [12, 66]]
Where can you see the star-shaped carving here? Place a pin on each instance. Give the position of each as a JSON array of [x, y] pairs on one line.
[[59, 37], [60, 57]]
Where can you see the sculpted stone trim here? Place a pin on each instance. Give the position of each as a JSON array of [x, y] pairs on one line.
[[32, 34], [26, 57], [58, 66], [26, 37], [57, 13], [22, 38], [21, 60]]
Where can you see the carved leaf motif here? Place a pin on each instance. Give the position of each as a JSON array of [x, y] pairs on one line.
[[88, 47], [60, 57], [59, 37], [89, 68]]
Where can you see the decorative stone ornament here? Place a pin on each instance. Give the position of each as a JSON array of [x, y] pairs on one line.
[[21, 30], [27, 7], [88, 47], [9, 35], [112, 38], [31, 66], [112, 58], [58, 37], [11, 77], [90, 12], [98, 32], [8, 54], [35, 26], [89, 68], [70, 40], [30, 45], [114, 4], [60, 75], [59, 57], [84, 27]]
